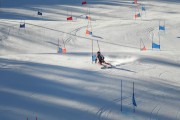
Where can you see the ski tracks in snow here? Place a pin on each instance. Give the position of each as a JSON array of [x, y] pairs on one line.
[[74, 32], [105, 111], [178, 115], [154, 112]]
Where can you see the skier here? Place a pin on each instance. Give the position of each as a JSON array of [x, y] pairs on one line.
[[100, 59]]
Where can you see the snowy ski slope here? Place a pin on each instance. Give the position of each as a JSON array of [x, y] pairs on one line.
[[36, 81]]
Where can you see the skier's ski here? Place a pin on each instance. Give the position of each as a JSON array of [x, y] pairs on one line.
[[106, 66]]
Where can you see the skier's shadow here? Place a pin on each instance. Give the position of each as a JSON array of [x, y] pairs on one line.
[[127, 70]]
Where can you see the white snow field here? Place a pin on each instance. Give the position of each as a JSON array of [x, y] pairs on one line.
[[37, 82]]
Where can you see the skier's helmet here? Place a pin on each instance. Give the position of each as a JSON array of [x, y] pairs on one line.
[[98, 52]]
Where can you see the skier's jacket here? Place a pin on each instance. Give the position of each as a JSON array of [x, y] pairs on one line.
[[100, 57]]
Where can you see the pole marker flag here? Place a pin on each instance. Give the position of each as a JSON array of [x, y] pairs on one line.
[[88, 32], [84, 3], [143, 49], [70, 18], [143, 8], [161, 27], [134, 101], [135, 1], [62, 50], [39, 13], [88, 17], [139, 15], [93, 57], [154, 45], [136, 15], [22, 25]]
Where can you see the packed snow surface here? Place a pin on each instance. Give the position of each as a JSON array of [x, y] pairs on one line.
[[38, 82]]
